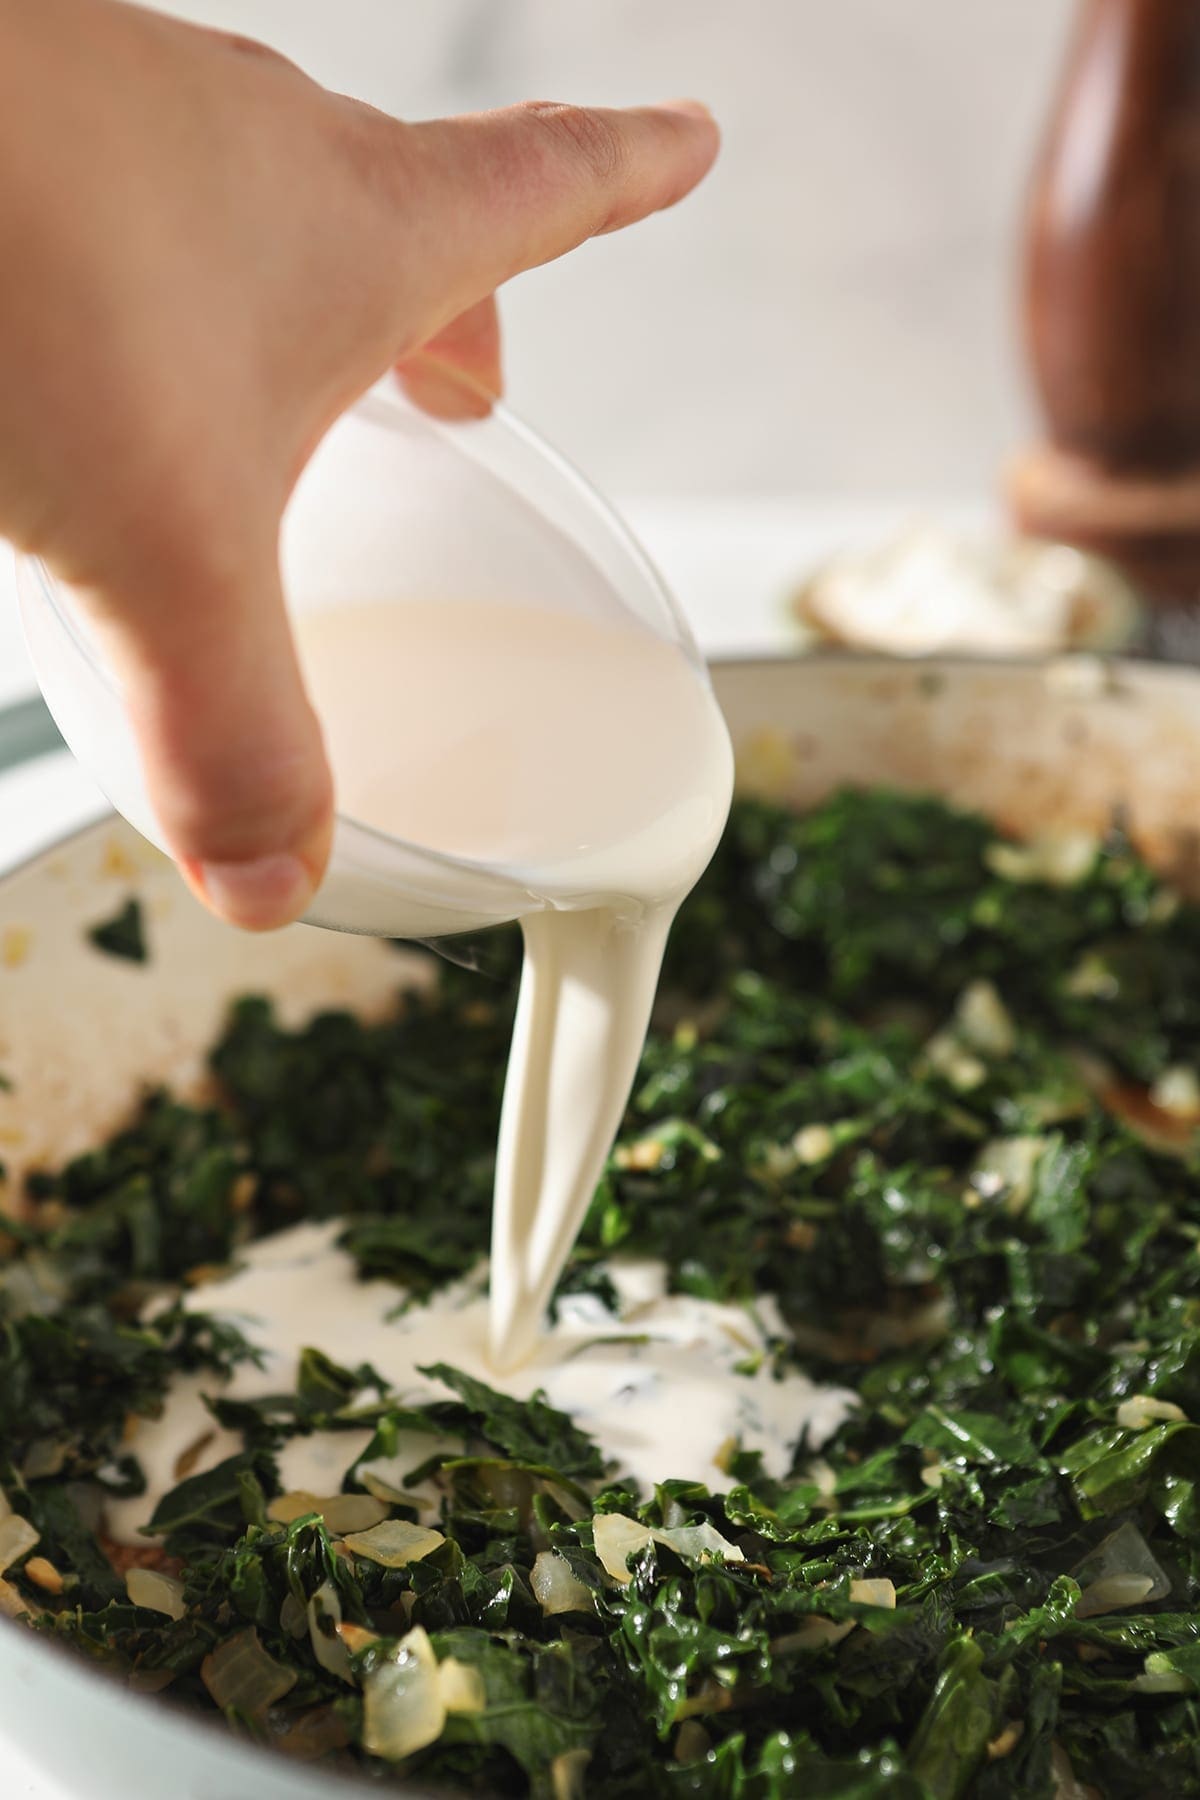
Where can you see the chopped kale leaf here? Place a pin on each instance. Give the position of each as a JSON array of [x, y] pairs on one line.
[[933, 1096], [124, 935]]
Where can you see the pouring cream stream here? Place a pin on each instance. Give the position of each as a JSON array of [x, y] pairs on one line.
[[588, 759]]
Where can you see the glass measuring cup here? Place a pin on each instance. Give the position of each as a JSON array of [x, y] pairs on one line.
[[396, 504]]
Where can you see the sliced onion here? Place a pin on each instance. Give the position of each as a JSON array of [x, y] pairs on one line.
[[1006, 1741], [816, 1633], [1007, 1165], [1058, 860], [556, 1588], [387, 1476], [12, 1606], [691, 1742], [382, 1489], [338, 1512], [947, 1056], [403, 1709], [42, 1572], [1120, 1572], [1177, 1091], [699, 1542], [156, 1592], [1141, 1410], [241, 1673], [394, 1543], [1067, 1785], [814, 1144], [17, 1538], [617, 1538], [328, 1647], [567, 1774], [461, 1687], [984, 1022], [1113, 1593], [879, 1592], [507, 1486], [313, 1734], [1170, 1681]]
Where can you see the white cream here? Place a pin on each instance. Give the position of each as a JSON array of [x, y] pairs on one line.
[[659, 1387], [589, 761]]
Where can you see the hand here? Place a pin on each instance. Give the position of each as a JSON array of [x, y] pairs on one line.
[[208, 257]]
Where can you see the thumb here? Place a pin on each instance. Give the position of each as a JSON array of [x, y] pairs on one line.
[[230, 748], [482, 197]]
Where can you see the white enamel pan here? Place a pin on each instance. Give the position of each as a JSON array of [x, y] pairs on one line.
[[1061, 746]]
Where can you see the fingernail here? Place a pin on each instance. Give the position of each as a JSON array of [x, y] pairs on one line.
[[692, 109], [259, 895], [443, 392]]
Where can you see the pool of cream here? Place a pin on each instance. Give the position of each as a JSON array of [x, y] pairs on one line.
[[665, 1386]]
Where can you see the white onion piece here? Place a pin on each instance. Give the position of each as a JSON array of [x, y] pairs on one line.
[[879, 1592], [815, 1634], [12, 1606], [338, 1512], [1061, 859], [1120, 1572], [1177, 1091], [381, 1489], [242, 1673], [1067, 1785], [1008, 1165], [984, 1022], [567, 1774], [156, 1592], [403, 1709], [461, 1687], [17, 1538], [691, 1742], [617, 1538], [1113, 1593], [1142, 1410], [328, 1647], [556, 1588], [394, 1543], [699, 1542], [1170, 1681]]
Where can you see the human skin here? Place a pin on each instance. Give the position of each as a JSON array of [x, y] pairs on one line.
[[206, 258]]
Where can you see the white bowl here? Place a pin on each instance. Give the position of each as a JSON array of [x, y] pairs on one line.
[[395, 505]]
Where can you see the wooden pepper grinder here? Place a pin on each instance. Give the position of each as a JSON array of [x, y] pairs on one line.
[[1112, 307]]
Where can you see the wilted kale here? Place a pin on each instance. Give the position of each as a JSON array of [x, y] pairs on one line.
[[936, 1096], [123, 935]]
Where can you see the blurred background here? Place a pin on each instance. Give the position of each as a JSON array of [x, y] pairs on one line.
[[833, 313], [822, 345]]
